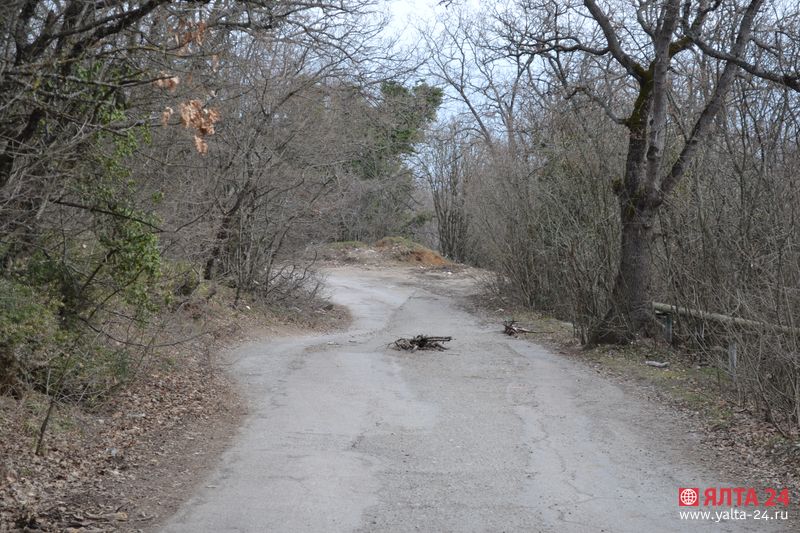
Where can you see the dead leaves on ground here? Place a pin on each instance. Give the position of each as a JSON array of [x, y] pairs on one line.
[[99, 463]]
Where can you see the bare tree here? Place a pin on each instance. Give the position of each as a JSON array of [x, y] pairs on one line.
[[446, 165], [642, 43]]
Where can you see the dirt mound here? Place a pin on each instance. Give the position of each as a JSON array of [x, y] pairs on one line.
[[395, 242], [407, 251], [423, 257], [384, 251]]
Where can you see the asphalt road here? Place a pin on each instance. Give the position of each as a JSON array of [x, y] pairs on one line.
[[495, 434]]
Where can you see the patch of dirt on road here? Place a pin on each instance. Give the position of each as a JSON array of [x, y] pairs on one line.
[[127, 464]]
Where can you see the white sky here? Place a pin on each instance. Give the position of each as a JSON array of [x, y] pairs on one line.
[[405, 11], [405, 14]]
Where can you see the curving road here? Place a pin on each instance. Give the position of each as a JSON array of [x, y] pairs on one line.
[[494, 435]]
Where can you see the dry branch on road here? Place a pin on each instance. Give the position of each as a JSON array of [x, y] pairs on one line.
[[421, 342], [511, 328]]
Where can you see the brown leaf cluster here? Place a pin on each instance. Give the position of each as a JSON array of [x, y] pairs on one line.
[[169, 83], [166, 115], [195, 116], [188, 33]]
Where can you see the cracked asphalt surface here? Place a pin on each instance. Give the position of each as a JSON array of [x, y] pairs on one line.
[[495, 434]]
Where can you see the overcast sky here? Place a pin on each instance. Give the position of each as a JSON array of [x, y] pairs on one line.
[[401, 10], [407, 13]]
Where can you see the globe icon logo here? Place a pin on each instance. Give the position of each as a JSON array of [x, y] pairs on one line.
[[688, 497]]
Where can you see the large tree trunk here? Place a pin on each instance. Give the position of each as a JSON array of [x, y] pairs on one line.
[[631, 301], [630, 310]]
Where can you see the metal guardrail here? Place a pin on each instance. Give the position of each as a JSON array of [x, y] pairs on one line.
[[667, 309], [670, 310]]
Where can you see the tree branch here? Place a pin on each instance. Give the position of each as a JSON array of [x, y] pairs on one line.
[[96, 209], [614, 46], [708, 114]]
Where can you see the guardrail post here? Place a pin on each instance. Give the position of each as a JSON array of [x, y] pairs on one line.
[[732, 359], [668, 328]]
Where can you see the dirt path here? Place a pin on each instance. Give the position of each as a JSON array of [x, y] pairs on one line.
[[495, 434]]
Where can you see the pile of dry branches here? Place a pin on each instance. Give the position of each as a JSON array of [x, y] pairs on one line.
[[421, 342]]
